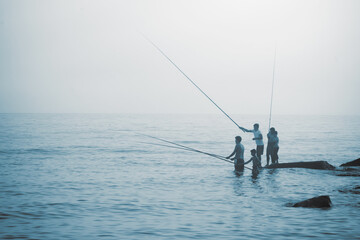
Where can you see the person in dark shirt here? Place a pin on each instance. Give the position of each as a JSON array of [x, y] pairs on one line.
[[270, 145], [275, 149]]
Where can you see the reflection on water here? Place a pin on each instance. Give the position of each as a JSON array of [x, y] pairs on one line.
[[78, 177], [238, 183], [255, 177]]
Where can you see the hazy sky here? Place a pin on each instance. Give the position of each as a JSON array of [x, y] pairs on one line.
[[90, 56]]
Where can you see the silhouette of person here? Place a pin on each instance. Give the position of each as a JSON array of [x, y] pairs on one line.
[[258, 138], [270, 145], [256, 162], [239, 154], [275, 149]]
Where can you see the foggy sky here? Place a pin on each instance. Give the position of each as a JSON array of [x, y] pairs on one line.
[[90, 56]]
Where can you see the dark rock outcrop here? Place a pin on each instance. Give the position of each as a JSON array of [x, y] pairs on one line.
[[316, 202], [351, 164], [312, 165]]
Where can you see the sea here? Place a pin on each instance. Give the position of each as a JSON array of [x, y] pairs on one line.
[[97, 176]]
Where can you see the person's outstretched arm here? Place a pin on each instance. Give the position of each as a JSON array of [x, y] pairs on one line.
[[232, 154], [248, 161], [244, 129], [245, 162]]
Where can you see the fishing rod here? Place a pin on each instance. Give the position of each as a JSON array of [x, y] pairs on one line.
[[272, 89], [194, 150], [177, 144], [183, 147], [190, 150], [191, 80]]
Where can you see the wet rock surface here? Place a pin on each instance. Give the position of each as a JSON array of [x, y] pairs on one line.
[[323, 165], [315, 202], [351, 164]]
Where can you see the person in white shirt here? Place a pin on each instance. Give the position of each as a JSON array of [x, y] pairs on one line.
[[258, 138], [239, 154]]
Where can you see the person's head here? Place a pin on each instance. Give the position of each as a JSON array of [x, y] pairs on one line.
[[253, 152], [256, 126], [237, 139], [275, 133], [272, 130]]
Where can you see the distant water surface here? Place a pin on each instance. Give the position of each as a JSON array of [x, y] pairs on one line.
[[90, 176]]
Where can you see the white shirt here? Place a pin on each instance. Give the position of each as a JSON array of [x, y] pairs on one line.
[[257, 134]]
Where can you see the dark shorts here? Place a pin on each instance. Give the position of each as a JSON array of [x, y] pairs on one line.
[[260, 150], [240, 165], [255, 171]]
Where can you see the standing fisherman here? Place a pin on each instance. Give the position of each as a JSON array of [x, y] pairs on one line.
[[272, 139], [239, 155], [275, 150], [258, 138]]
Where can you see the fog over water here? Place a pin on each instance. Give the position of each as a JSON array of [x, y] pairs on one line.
[[89, 56]]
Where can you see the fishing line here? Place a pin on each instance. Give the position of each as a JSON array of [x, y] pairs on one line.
[[272, 89]]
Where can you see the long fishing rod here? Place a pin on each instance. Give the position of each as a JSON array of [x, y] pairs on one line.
[[194, 150], [272, 88], [190, 150], [182, 147], [190, 80]]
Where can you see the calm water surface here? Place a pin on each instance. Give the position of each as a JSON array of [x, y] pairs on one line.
[[89, 176]]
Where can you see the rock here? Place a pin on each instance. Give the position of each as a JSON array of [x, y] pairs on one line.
[[312, 165], [316, 202], [352, 163]]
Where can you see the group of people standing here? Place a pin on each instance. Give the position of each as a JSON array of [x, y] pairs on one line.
[[272, 149]]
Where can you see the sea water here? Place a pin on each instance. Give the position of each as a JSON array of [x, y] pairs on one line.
[[92, 176]]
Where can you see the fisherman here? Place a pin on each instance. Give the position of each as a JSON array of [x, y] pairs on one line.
[[275, 150], [256, 162], [239, 154], [258, 138], [270, 145]]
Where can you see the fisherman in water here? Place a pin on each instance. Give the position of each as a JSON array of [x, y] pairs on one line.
[[256, 162], [239, 155], [258, 138]]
